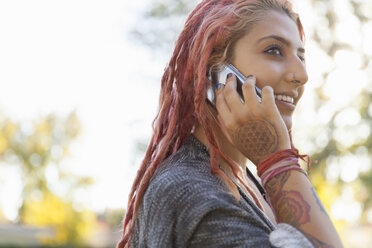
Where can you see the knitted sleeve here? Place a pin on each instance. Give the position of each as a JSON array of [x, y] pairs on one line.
[[214, 231], [229, 227]]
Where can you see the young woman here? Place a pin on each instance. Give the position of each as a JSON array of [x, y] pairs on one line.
[[193, 188]]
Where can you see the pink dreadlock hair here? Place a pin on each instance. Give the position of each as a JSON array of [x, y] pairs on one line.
[[206, 41]]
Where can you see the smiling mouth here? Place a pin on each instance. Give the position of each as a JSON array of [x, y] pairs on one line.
[[284, 98]]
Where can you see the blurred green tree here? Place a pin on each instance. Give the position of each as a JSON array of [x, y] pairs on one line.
[[37, 147], [164, 17], [114, 217]]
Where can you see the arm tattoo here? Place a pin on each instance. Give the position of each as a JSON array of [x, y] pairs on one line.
[[257, 140], [277, 183], [292, 208], [289, 206], [318, 201]]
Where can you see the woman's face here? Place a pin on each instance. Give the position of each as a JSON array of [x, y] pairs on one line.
[[273, 52]]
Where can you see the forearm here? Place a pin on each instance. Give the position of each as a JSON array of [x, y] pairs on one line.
[[295, 202]]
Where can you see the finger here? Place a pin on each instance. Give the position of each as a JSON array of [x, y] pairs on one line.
[[249, 91], [231, 95], [221, 105], [268, 98]]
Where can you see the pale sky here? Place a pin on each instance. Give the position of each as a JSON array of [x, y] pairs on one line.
[[57, 56]]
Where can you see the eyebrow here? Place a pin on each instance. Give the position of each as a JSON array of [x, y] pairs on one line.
[[282, 40]]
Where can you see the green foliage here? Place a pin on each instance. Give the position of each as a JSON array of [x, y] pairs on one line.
[[360, 131], [163, 21], [71, 226], [166, 8], [114, 217], [37, 147]]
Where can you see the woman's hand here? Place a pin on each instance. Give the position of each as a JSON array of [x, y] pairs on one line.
[[256, 129]]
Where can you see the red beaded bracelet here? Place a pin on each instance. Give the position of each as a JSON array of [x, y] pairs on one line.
[[278, 156]]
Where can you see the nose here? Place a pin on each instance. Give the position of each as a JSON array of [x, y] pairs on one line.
[[296, 71]]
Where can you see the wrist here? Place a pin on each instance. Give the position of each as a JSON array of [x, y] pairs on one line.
[[284, 157]]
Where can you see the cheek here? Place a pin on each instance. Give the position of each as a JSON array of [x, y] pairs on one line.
[[300, 92], [268, 74]]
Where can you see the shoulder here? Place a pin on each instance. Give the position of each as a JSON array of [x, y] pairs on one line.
[[185, 182], [181, 194], [184, 185]]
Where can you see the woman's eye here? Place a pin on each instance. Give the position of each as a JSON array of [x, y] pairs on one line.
[[302, 58], [274, 51]]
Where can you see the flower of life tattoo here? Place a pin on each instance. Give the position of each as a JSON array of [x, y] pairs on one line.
[[256, 140]]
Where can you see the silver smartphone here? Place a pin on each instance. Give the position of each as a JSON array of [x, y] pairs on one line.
[[220, 78]]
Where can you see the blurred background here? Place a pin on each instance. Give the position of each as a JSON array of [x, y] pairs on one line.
[[79, 83]]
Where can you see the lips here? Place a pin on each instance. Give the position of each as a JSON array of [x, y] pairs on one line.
[[285, 98], [285, 102]]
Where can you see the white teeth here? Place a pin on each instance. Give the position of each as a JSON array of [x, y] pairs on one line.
[[284, 98]]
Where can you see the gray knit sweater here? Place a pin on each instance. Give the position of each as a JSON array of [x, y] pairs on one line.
[[186, 206]]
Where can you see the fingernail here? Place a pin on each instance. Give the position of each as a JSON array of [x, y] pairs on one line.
[[229, 75], [218, 86], [251, 78]]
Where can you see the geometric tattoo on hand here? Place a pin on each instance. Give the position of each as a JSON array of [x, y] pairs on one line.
[[257, 140]]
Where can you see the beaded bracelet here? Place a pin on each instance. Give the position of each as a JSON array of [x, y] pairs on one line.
[[273, 169], [267, 176], [279, 156]]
